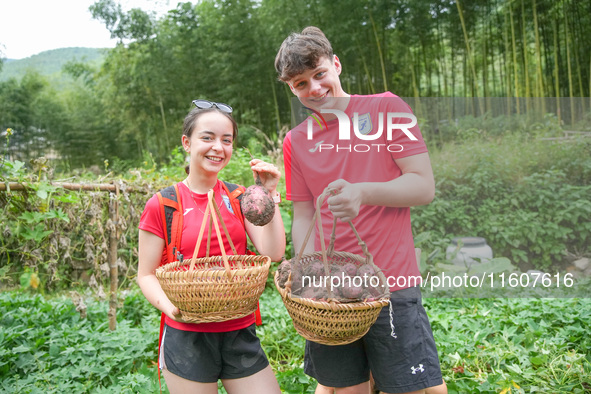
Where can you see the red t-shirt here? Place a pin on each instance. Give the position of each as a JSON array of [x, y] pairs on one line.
[[312, 163], [193, 206]]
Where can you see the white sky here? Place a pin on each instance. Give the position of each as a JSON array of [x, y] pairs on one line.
[[28, 27]]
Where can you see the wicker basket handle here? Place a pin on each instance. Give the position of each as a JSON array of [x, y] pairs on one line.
[[329, 251], [213, 210]]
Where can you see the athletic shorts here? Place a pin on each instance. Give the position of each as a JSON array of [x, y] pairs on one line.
[[399, 349], [206, 357]]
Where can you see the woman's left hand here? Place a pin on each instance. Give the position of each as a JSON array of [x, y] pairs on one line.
[[268, 173]]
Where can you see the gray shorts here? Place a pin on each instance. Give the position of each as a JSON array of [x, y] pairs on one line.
[[206, 357], [399, 349]]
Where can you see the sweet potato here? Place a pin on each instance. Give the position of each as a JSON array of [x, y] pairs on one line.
[[314, 269], [366, 269], [353, 284], [283, 270], [257, 204], [348, 290], [350, 269]]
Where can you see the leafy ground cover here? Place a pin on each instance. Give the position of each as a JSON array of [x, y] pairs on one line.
[[485, 345]]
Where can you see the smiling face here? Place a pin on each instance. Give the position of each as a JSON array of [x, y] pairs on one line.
[[209, 143], [317, 88]]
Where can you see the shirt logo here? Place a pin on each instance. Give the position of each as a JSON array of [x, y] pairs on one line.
[[187, 210], [420, 369], [227, 202], [364, 124], [315, 148]]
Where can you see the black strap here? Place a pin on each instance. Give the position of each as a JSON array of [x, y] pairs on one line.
[[169, 193], [231, 187]]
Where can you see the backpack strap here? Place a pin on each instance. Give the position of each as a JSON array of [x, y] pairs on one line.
[[172, 221], [234, 192]]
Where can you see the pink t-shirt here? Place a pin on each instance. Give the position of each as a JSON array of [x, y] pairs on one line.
[[193, 206], [312, 163]]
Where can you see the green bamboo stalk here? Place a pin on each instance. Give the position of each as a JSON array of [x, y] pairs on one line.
[[165, 127], [485, 67], [525, 59], [375, 32], [275, 104], [506, 64], [540, 84], [365, 68], [443, 61], [570, 76], [514, 50], [577, 42], [440, 62], [469, 52], [578, 67], [556, 73]]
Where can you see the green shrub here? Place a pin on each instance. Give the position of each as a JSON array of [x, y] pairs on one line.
[[530, 199]]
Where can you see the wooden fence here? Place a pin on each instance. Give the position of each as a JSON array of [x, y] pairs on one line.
[[115, 188]]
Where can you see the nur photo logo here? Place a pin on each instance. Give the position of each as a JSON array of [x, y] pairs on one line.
[[362, 126]]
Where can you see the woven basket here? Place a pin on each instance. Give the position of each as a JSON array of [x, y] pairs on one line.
[[216, 288], [332, 322]]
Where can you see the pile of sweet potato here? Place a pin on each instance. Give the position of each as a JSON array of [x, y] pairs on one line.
[[347, 282]]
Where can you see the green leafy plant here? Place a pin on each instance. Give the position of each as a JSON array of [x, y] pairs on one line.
[[485, 345]]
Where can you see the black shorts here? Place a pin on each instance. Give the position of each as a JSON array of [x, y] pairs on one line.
[[400, 352], [206, 357]]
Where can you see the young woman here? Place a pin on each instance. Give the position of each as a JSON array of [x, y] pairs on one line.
[[193, 357]]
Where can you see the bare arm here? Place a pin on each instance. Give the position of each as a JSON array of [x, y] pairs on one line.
[[150, 252], [415, 186], [303, 215], [269, 239]]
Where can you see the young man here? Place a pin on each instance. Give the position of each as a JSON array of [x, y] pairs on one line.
[[370, 153]]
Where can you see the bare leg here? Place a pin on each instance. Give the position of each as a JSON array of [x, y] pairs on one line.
[[262, 382], [441, 389], [320, 389], [362, 388], [178, 385]]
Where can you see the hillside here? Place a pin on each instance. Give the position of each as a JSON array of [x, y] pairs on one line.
[[50, 63]]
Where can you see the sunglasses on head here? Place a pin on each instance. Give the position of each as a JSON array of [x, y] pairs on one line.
[[204, 104]]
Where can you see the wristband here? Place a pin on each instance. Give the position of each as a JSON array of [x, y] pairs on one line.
[[277, 198]]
